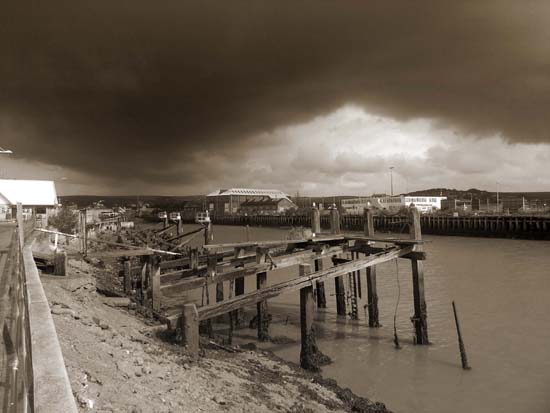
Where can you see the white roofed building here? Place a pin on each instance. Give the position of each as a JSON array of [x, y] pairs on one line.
[[36, 196], [228, 201]]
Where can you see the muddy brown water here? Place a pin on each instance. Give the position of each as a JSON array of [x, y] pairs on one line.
[[502, 289]]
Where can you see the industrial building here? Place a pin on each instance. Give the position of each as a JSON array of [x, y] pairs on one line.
[[356, 206], [229, 201], [36, 197]]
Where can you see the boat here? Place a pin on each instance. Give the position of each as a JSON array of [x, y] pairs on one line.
[[202, 218]]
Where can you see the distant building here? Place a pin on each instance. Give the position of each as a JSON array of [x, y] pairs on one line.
[[190, 209], [424, 203], [36, 197], [228, 201], [266, 206], [457, 205], [356, 206]]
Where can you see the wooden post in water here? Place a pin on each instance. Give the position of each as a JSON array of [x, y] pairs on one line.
[[320, 286], [208, 233], [463, 356], [315, 221], [340, 292], [339, 288], [194, 258], [154, 282], [419, 319], [372, 294], [212, 262], [190, 329], [261, 307], [334, 221], [127, 276], [307, 310], [144, 274]]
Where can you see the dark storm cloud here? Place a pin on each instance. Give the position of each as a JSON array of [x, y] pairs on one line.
[[149, 90]]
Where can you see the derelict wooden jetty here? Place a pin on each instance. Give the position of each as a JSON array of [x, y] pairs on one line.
[[154, 276], [159, 275]]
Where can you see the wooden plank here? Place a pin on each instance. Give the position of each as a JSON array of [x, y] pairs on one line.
[[264, 244], [368, 249], [397, 241], [278, 262], [298, 283], [115, 244], [119, 253]]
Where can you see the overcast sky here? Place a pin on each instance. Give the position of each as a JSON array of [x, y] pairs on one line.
[[322, 97]]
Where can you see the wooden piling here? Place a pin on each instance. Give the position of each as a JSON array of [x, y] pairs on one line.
[[315, 221], [208, 233], [307, 309], [190, 327], [60, 263], [144, 279], [320, 286], [372, 293], [262, 311], [334, 221], [212, 262], [419, 319], [127, 276], [340, 292], [462, 349], [154, 282], [194, 258]]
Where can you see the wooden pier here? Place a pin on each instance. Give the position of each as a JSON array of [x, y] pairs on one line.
[[158, 277], [497, 226]]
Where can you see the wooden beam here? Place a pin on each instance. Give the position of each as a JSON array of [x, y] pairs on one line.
[[298, 283], [272, 244], [368, 249], [283, 261], [119, 253], [115, 244]]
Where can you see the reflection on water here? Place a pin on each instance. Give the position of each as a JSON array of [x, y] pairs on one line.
[[502, 289]]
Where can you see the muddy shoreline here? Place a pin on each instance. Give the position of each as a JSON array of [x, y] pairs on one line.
[[119, 360]]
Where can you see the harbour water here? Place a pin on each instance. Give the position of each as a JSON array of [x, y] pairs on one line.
[[502, 289]]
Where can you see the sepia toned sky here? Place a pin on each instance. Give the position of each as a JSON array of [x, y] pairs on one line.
[[322, 97]]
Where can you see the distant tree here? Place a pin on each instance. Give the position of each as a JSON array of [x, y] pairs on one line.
[[65, 220]]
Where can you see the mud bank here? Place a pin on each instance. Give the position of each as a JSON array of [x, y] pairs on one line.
[[120, 362]]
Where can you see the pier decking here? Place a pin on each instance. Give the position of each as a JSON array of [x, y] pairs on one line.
[[158, 277]]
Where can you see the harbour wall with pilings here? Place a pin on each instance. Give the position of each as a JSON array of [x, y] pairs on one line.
[[496, 226]]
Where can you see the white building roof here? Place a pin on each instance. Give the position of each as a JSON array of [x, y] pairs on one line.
[[27, 192], [271, 193]]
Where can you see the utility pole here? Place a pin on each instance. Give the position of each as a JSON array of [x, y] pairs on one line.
[[497, 200], [391, 180]]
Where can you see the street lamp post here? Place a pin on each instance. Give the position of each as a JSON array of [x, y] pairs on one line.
[[391, 180], [498, 206]]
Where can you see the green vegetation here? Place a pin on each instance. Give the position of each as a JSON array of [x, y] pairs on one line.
[[66, 220]]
